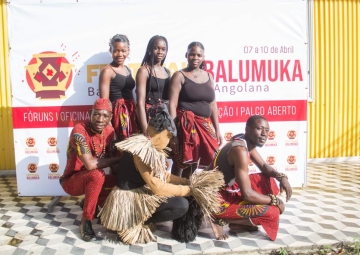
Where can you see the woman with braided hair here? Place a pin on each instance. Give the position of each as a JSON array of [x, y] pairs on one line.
[[152, 79], [116, 83]]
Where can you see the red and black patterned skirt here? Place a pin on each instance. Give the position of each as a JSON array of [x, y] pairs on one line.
[[124, 118], [197, 139], [234, 207]]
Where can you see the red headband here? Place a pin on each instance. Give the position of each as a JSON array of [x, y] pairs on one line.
[[102, 104]]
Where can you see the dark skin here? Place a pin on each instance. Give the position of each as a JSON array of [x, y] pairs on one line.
[[99, 120], [195, 56], [119, 51], [159, 53], [255, 136]]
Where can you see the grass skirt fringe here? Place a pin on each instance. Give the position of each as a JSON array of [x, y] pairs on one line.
[[126, 209], [204, 187], [138, 234]]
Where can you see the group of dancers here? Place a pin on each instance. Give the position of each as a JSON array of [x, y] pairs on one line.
[[189, 94], [173, 116]]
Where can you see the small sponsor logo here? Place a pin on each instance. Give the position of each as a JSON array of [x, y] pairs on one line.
[[291, 134], [291, 159], [32, 167], [52, 141], [30, 142], [270, 160], [228, 136], [270, 141], [53, 167], [271, 135]]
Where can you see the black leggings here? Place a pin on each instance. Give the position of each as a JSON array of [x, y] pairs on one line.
[[174, 208]]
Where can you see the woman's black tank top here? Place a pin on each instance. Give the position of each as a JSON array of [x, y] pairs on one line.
[[157, 88], [121, 86], [196, 97]]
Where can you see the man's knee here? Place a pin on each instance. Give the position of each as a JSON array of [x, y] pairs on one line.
[[182, 205], [97, 175]]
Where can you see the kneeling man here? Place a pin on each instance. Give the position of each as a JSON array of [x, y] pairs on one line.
[[91, 148], [249, 200]]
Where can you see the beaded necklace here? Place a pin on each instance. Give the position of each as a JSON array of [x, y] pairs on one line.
[[102, 144]]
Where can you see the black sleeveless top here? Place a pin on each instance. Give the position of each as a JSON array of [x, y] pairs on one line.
[[221, 161], [157, 88], [121, 86], [196, 97], [127, 177]]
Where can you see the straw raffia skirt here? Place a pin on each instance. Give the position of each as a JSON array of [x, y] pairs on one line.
[[125, 211]]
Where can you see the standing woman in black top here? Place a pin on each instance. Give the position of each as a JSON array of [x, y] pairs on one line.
[[192, 104], [116, 83], [152, 79]]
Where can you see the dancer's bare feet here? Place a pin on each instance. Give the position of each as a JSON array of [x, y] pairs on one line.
[[218, 231]]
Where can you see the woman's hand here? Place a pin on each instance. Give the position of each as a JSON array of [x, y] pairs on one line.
[[219, 138]]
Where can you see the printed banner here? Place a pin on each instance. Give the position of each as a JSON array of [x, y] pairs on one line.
[[255, 50]]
